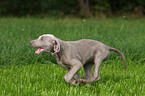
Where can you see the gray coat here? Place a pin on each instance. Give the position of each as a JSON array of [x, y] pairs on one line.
[[73, 55]]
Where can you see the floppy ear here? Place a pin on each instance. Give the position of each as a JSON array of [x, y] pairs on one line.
[[56, 45]]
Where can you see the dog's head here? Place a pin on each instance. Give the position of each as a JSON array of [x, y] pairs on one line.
[[46, 43]]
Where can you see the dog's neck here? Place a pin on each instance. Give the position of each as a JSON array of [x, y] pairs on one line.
[[60, 53]]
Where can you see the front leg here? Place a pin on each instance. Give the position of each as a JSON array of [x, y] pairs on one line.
[[75, 67], [76, 76]]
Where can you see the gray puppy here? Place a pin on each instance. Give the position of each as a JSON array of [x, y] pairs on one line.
[[73, 55]]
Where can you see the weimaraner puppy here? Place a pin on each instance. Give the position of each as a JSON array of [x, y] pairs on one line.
[[73, 55]]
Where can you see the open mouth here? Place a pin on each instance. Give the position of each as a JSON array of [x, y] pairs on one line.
[[40, 50]]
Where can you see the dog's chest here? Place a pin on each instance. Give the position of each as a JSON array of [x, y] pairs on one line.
[[66, 61]]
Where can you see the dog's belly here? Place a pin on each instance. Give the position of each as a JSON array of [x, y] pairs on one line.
[[90, 60]]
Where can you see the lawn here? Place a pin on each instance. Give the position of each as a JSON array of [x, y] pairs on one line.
[[22, 73]]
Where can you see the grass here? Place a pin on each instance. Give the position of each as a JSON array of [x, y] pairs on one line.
[[22, 73]]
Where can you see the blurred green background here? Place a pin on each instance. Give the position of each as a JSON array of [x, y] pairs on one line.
[[79, 8]]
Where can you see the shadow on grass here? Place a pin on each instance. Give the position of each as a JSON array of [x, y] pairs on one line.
[[106, 78]]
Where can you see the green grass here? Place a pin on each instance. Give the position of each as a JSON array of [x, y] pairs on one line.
[[22, 73]]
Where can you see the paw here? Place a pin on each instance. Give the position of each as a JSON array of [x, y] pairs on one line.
[[83, 81], [74, 83], [94, 79], [98, 78]]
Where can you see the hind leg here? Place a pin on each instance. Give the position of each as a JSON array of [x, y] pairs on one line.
[[88, 73], [98, 61], [100, 56]]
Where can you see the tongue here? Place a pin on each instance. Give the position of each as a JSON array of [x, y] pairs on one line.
[[39, 51]]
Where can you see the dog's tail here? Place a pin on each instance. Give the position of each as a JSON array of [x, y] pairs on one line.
[[123, 57]]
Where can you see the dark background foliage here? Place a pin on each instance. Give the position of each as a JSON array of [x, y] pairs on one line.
[[87, 8]]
